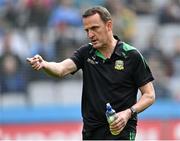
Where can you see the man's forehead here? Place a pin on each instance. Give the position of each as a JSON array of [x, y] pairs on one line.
[[95, 17], [93, 20]]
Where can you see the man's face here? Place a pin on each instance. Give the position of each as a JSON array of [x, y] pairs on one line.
[[97, 30]]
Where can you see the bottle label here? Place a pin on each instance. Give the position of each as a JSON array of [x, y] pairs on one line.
[[111, 119]]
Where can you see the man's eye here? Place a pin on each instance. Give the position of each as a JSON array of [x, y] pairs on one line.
[[86, 30], [94, 28]]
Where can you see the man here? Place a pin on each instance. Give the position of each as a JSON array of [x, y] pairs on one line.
[[113, 71]]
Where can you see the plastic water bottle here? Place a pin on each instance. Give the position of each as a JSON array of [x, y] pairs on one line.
[[111, 116]]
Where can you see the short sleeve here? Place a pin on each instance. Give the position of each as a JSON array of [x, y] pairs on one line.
[[141, 71], [79, 56]]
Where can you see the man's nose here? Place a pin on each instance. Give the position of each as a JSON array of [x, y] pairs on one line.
[[90, 34]]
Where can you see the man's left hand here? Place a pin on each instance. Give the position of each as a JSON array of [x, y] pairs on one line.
[[121, 121]]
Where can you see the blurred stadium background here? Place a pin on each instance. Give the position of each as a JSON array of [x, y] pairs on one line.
[[36, 106]]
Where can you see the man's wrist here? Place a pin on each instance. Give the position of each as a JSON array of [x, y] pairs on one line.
[[133, 111], [45, 65], [129, 113]]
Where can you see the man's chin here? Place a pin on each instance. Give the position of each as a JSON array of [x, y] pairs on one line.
[[96, 46]]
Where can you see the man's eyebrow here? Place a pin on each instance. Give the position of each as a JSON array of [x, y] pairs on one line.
[[94, 26]]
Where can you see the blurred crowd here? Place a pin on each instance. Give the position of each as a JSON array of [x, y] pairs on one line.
[[53, 29]]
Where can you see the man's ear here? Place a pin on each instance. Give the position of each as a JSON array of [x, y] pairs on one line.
[[109, 25]]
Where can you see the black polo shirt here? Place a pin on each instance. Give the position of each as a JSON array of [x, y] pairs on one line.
[[115, 80]]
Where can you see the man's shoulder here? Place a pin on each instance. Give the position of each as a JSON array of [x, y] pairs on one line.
[[87, 45], [127, 47], [86, 48], [129, 50]]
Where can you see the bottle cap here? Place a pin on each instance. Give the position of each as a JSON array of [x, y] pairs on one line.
[[108, 107]]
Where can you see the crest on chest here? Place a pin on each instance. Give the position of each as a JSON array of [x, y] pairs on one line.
[[119, 65]]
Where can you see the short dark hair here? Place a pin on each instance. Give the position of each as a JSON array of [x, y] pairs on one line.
[[102, 11]]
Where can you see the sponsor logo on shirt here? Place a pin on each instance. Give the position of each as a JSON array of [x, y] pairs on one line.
[[92, 61]]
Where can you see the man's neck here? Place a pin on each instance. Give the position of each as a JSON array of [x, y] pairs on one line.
[[108, 49]]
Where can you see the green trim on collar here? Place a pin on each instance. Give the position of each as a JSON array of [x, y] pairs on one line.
[[99, 54], [128, 47]]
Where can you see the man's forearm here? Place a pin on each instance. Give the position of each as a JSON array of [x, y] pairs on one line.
[[53, 69], [59, 69], [147, 98], [144, 102]]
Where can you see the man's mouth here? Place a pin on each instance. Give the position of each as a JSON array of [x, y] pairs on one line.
[[94, 41]]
